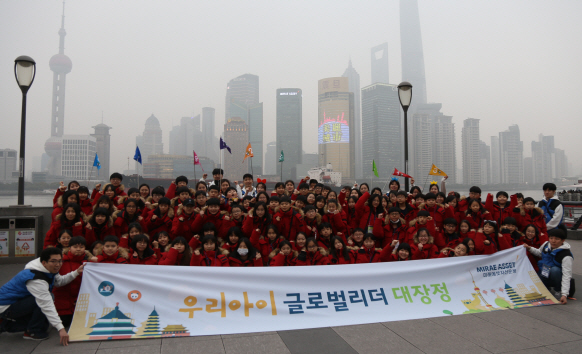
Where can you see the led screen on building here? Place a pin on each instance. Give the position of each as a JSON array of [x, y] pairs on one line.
[[333, 130]]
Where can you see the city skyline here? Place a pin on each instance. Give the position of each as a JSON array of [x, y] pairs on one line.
[[129, 98]]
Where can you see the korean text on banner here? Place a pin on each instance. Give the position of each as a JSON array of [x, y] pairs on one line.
[[117, 302]]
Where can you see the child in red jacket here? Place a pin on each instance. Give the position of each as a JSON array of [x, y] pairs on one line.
[[267, 244], [142, 253], [407, 212], [100, 224], [312, 255], [422, 220], [393, 227], [233, 238], [423, 246], [369, 253], [71, 219], [325, 233], [161, 243], [182, 193], [84, 201], [178, 254], [288, 220], [66, 296], [213, 215], [182, 222], [356, 240], [533, 238], [111, 252], [245, 255], [257, 218], [312, 220], [339, 253], [511, 235], [436, 211], [452, 209], [476, 215], [462, 249], [127, 216], [450, 238], [403, 252], [160, 219], [336, 218], [286, 255], [299, 243], [486, 241], [530, 214], [210, 255], [500, 209]]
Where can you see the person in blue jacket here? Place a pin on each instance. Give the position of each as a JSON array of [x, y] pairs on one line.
[[26, 302], [552, 207]]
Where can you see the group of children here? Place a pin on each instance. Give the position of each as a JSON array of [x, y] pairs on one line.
[[226, 224]]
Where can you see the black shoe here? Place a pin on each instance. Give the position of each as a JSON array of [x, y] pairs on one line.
[[33, 336]]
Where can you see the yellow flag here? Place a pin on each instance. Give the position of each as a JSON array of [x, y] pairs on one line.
[[249, 152], [434, 171]]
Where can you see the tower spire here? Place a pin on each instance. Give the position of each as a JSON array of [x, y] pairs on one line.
[[62, 32]]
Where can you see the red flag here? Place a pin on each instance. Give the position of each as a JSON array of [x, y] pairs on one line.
[[197, 160], [400, 174]]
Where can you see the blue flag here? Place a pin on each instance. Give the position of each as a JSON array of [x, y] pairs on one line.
[[137, 156], [97, 163], [224, 146]]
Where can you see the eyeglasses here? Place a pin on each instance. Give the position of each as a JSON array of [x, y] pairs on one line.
[[54, 261]]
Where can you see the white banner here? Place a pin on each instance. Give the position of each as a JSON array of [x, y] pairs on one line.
[[138, 301]]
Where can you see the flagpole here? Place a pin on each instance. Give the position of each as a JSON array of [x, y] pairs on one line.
[[252, 173], [220, 167], [195, 170], [90, 173], [426, 179]]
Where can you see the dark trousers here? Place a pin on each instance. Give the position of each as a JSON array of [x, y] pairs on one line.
[[555, 279], [25, 315]]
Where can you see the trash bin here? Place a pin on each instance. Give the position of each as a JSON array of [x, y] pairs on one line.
[[20, 239]]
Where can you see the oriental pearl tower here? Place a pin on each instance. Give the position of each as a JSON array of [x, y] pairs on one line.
[[60, 65]]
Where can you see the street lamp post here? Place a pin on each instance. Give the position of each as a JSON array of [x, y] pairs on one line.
[[24, 71], [405, 96]]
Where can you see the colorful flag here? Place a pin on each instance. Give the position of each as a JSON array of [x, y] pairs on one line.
[[400, 174], [374, 168], [137, 156], [197, 160], [97, 163], [282, 157], [249, 152], [224, 146], [434, 171]]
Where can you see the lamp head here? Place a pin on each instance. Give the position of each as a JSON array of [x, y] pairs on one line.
[[24, 71], [405, 94]]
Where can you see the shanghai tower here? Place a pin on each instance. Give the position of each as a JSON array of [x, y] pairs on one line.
[[411, 49]]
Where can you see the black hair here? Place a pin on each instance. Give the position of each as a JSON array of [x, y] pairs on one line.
[[116, 175], [247, 175], [475, 189], [309, 208], [159, 190], [376, 189], [441, 194], [77, 210], [70, 183], [181, 240], [235, 230], [199, 193], [274, 199], [46, 254], [311, 239], [289, 181], [267, 215], [65, 231], [436, 185], [279, 184], [464, 222], [284, 199], [67, 194], [214, 187], [285, 243], [471, 201], [111, 238], [137, 239], [272, 227], [218, 171], [404, 246], [510, 221], [134, 225], [247, 197], [210, 238], [394, 181], [369, 236], [181, 179], [95, 244], [303, 186], [549, 186], [502, 193], [450, 198], [237, 206], [161, 233], [313, 181], [209, 227], [301, 198], [357, 229], [145, 185], [252, 250], [333, 251], [379, 208], [83, 189], [261, 184], [414, 188], [323, 225], [213, 201], [354, 198], [132, 191], [224, 180], [364, 184], [429, 196], [492, 223], [519, 195], [181, 190], [265, 194], [77, 240], [201, 183]]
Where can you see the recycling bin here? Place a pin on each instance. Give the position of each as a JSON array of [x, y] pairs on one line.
[[20, 238]]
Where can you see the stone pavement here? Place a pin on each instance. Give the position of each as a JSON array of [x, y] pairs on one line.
[[548, 329]]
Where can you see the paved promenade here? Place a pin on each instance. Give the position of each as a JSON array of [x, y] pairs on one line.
[[548, 329]]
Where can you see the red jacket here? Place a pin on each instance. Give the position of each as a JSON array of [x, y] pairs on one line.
[[437, 213], [408, 213], [280, 260], [428, 251], [311, 231], [415, 226], [121, 224], [93, 234], [52, 236], [161, 223], [182, 224], [118, 257], [307, 258], [66, 296], [86, 206], [289, 223], [234, 262], [368, 255], [481, 247], [498, 213], [222, 225], [172, 257], [341, 260], [385, 232], [508, 239], [447, 240], [476, 220], [364, 213], [264, 245], [210, 259], [454, 213], [536, 242], [526, 217], [252, 223], [338, 222], [149, 258]]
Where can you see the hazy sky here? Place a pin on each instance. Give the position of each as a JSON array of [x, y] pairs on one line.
[[502, 61]]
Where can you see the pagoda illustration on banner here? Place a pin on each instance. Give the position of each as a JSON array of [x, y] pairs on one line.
[[114, 325], [537, 295]]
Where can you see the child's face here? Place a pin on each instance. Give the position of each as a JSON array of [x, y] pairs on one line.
[[271, 234], [304, 191], [163, 208], [464, 228], [286, 250], [555, 242], [233, 239], [511, 228], [311, 199], [134, 195], [141, 246], [317, 190], [529, 205], [354, 193], [77, 249], [115, 181], [248, 181], [213, 209], [209, 232], [104, 205], [384, 202], [549, 194], [434, 189], [144, 191], [331, 207], [394, 216], [209, 246], [163, 240], [475, 207], [131, 208], [184, 196], [299, 204], [440, 199], [75, 186], [109, 248], [83, 196], [285, 206], [156, 197], [530, 233], [260, 211], [358, 236], [213, 193], [487, 228], [246, 203], [453, 203], [312, 247], [423, 238], [133, 232], [263, 198], [182, 184], [474, 195], [110, 193], [280, 190], [260, 188], [393, 198], [180, 247], [201, 187], [311, 214], [70, 214], [450, 228], [201, 199], [320, 204], [460, 250], [273, 204], [393, 186], [369, 243], [324, 192], [471, 245], [403, 254], [364, 189], [351, 204], [325, 232], [300, 240], [64, 240], [224, 186], [502, 199], [289, 187], [100, 219], [188, 209], [422, 220], [217, 177], [338, 245], [231, 194], [236, 213], [419, 201]]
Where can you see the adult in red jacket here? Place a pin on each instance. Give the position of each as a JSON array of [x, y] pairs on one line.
[[127, 216], [99, 225], [257, 218], [210, 255], [530, 214], [368, 208], [212, 214], [160, 219], [500, 209], [392, 227], [288, 220], [245, 255], [70, 220], [423, 246], [182, 222], [66, 296]]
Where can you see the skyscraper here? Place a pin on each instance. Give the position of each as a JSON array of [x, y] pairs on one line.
[[336, 135], [187, 137], [561, 163], [61, 65], [150, 143], [511, 156], [7, 165], [354, 87], [236, 135], [471, 152], [495, 161], [244, 89], [485, 152], [289, 129], [208, 132], [271, 159], [78, 154], [381, 127], [379, 58], [103, 147], [256, 136], [411, 50], [542, 154]]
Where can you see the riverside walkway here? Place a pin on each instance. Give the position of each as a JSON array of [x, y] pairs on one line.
[[547, 329]]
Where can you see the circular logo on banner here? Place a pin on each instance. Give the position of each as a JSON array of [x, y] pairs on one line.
[[134, 295], [106, 288]]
